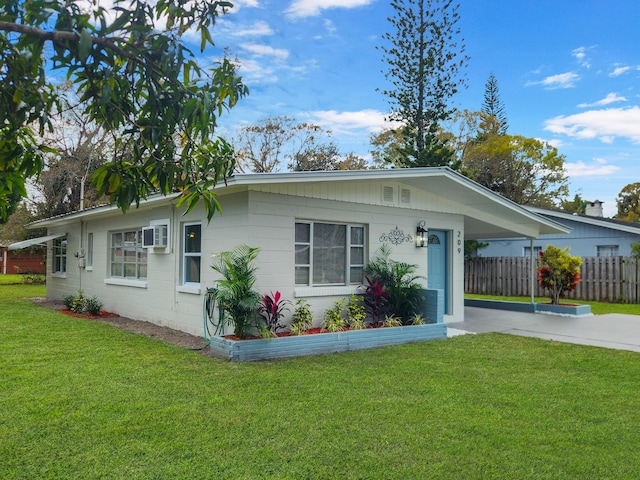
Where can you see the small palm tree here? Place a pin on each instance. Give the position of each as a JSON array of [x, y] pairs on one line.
[[404, 293], [235, 294]]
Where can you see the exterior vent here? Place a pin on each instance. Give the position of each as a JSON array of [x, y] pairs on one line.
[[405, 196], [155, 236], [388, 194]]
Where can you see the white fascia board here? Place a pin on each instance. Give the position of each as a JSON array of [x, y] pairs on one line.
[[101, 212]]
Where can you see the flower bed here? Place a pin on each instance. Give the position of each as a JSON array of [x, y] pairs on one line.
[[322, 343]]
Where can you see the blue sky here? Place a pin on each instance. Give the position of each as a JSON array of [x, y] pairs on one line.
[[568, 73]]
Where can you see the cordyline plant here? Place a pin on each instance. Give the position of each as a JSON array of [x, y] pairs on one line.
[[375, 299], [272, 310], [559, 272]]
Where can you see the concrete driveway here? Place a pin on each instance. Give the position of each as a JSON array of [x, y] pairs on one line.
[[610, 331]]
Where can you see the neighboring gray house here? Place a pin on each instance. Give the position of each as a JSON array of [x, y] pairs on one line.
[[591, 236], [316, 231]]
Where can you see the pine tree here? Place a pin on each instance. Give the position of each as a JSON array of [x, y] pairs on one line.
[[424, 55], [492, 106]]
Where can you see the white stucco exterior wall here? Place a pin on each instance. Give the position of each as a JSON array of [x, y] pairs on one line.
[[260, 217]]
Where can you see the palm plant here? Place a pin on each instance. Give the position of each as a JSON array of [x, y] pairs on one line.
[[404, 293], [235, 294]]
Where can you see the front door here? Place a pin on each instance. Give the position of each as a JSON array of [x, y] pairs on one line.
[[437, 264]]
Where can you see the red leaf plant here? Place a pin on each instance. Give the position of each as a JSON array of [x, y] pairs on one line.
[[272, 309]]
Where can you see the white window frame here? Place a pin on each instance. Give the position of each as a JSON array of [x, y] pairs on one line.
[[348, 284], [59, 256], [609, 250], [536, 251], [186, 256], [89, 254], [140, 253]]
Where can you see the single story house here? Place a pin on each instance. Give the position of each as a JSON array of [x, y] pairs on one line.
[[21, 261], [591, 235], [316, 232]]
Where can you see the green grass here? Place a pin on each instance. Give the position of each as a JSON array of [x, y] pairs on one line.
[[14, 279], [10, 279], [597, 308], [81, 399]]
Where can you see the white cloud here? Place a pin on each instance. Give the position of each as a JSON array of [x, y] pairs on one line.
[[610, 98], [253, 72], [619, 71], [328, 24], [581, 55], [555, 143], [246, 3], [562, 80], [258, 28], [265, 50], [605, 125], [311, 8], [346, 122], [599, 167]]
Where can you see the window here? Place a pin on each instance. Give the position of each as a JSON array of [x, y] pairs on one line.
[[536, 251], [191, 253], [329, 254], [607, 250], [60, 255], [128, 258], [89, 258]]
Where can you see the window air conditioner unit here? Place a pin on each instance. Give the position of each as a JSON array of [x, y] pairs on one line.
[[155, 236]]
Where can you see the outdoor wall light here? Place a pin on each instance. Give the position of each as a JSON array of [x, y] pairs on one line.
[[420, 235]]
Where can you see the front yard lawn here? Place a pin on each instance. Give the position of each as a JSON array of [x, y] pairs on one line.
[[82, 399]]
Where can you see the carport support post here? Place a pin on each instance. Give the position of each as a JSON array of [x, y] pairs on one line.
[[532, 269]]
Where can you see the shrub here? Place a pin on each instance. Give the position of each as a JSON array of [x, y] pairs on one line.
[[67, 300], [356, 314], [375, 299], [93, 305], [34, 279], [333, 320], [399, 278], [559, 272], [302, 318], [392, 321], [272, 308], [79, 303], [235, 294]]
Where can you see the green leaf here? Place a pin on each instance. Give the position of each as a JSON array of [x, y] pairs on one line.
[[114, 182], [85, 44]]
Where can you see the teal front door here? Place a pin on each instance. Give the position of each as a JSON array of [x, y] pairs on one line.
[[437, 264]]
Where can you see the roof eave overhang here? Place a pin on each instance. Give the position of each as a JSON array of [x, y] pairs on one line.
[[486, 213]]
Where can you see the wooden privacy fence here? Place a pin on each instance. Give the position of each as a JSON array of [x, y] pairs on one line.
[[606, 279]]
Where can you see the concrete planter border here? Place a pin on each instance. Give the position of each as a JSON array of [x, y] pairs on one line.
[[323, 343], [573, 310]]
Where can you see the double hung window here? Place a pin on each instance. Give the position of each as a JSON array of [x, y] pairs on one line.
[[607, 250], [60, 255], [128, 259], [329, 254], [191, 254]]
